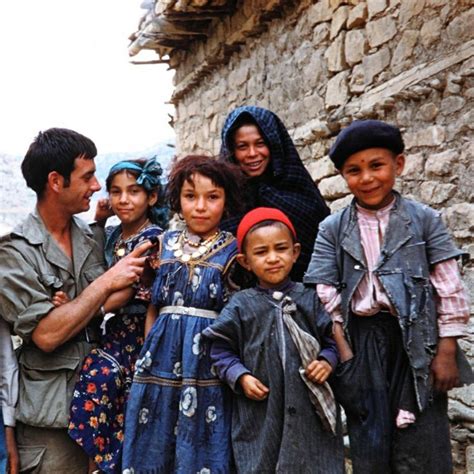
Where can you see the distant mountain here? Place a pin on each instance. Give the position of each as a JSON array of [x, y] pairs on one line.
[[164, 153], [16, 200]]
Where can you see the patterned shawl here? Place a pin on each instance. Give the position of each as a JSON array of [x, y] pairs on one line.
[[286, 184]]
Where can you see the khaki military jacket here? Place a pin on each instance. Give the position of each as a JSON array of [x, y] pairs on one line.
[[32, 269]]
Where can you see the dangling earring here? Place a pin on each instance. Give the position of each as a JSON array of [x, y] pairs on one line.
[[180, 216]]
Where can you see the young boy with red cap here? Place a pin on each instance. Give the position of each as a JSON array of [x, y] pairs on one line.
[[385, 269], [272, 345]]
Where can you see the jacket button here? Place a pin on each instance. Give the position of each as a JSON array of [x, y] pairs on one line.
[[292, 410]]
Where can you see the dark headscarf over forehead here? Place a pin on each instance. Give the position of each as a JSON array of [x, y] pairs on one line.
[[282, 149], [288, 186]]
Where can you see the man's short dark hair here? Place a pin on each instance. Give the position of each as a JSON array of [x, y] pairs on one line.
[[54, 149]]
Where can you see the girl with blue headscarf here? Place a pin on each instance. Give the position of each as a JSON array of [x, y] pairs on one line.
[[256, 140], [101, 392]]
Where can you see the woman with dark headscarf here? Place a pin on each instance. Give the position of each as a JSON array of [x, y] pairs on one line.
[[256, 140]]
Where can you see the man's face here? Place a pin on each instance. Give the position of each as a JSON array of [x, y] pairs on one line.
[[82, 185]]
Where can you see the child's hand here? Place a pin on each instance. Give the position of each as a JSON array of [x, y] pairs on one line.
[[60, 298], [444, 368], [253, 388], [318, 371], [103, 211]]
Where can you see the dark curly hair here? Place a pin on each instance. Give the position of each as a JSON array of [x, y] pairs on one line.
[[224, 175]]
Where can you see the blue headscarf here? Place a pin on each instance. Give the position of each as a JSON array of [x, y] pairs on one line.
[[285, 185], [149, 177]]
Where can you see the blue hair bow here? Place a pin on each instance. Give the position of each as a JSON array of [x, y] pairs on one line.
[[149, 174]]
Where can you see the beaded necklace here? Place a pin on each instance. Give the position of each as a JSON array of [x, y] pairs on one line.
[[120, 247], [201, 246]]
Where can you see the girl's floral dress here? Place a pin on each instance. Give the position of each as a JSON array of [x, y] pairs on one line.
[[178, 415], [101, 392]]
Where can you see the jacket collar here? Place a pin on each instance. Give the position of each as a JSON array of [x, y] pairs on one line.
[[397, 233], [33, 230]]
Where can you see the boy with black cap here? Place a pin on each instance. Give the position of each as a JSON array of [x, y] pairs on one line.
[[385, 268]]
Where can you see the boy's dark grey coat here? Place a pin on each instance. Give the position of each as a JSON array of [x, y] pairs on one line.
[[415, 239]]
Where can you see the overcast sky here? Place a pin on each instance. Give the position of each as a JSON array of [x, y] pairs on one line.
[[65, 63]]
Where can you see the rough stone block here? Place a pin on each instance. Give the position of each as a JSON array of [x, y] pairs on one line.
[[357, 16], [319, 12], [322, 168], [428, 112], [315, 104], [413, 167], [460, 29], [451, 104], [409, 9], [375, 64], [469, 93], [429, 136], [320, 34], [430, 31], [380, 31], [340, 204], [404, 50], [333, 188], [357, 81], [460, 219], [339, 19], [470, 458], [337, 91], [376, 6], [441, 164], [436, 193], [238, 76], [313, 71], [355, 46], [336, 3], [335, 54]]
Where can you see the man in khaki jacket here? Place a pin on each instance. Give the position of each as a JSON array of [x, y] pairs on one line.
[[53, 250]]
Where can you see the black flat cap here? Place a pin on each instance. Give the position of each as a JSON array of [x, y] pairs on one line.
[[363, 134]]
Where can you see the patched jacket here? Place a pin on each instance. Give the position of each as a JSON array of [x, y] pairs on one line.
[[32, 269], [415, 239]]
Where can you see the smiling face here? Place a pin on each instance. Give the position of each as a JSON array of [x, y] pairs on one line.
[[370, 175], [251, 151], [76, 196], [129, 201], [269, 253], [202, 205]]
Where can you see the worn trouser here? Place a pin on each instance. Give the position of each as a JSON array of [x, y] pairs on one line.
[[48, 451], [372, 387], [3, 450]]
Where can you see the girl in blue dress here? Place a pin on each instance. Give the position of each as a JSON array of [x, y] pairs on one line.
[[100, 395], [178, 415]]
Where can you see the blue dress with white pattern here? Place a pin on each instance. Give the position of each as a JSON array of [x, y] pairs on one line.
[[179, 413]]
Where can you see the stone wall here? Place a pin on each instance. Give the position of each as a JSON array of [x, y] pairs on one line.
[[321, 64]]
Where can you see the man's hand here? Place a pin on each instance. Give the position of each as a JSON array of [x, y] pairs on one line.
[[444, 368], [128, 270], [13, 460], [318, 371], [253, 388]]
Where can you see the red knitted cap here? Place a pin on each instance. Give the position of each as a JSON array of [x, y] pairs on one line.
[[261, 214]]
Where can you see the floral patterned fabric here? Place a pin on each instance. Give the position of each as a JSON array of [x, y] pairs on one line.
[[179, 413], [100, 395]]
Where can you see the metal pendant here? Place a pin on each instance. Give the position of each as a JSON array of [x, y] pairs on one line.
[[120, 252]]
